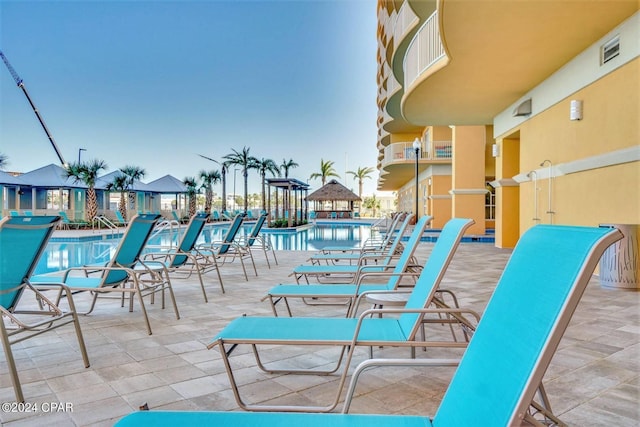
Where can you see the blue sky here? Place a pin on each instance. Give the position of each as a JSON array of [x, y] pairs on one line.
[[153, 83]]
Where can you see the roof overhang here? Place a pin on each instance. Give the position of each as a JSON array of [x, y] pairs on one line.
[[499, 50]]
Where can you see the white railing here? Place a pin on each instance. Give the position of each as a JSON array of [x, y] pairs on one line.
[[403, 151], [406, 19], [392, 85], [425, 49], [102, 220]]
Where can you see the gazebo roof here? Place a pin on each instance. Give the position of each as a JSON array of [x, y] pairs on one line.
[[333, 190], [292, 183], [168, 184]]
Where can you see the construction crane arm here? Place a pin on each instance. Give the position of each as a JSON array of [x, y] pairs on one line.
[[20, 84]]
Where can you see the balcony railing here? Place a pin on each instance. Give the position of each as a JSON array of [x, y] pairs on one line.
[[425, 49], [403, 22], [403, 151]]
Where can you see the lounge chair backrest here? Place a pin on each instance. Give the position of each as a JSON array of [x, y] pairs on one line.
[[523, 324], [175, 216], [409, 250], [131, 245], [189, 238], [433, 271], [22, 241], [397, 239], [120, 218], [231, 234], [216, 215], [389, 232], [64, 217], [256, 229]]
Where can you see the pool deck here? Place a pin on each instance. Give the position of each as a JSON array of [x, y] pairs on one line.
[[593, 380]]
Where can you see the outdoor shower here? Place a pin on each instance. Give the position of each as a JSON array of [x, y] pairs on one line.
[[534, 177], [550, 211]]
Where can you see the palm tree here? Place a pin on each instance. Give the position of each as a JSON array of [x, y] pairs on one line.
[[264, 166], [224, 168], [208, 179], [88, 174], [4, 161], [120, 184], [192, 191], [361, 174], [286, 165], [372, 203], [326, 170], [244, 160], [132, 174]]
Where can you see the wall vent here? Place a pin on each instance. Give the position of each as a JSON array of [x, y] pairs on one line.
[[610, 50]]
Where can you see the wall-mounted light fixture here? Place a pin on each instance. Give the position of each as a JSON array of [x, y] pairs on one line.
[[575, 112], [523, 109], [495, 150]]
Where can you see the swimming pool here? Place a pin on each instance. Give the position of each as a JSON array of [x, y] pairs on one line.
[[63, 253]]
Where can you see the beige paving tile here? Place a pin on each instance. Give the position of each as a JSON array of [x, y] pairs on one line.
[[593, 379]]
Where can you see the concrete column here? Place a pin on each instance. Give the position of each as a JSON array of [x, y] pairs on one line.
[[468, 176], [507, 193]]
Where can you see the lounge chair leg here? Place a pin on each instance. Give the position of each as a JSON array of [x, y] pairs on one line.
[[13, 371]]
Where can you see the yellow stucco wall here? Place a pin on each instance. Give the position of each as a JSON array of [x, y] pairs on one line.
[[468, 170], [440, 202], [610, 123]]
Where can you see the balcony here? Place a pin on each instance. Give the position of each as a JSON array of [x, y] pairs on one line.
[[425, 50], [403, 152], [494, 52]]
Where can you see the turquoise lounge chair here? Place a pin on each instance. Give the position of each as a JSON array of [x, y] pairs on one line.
[[348, 273], [22, 242], [216, 215], [120, 219], [111, 277], [176, 217], [345, 333], [501, 370], [226, 215], [209, 254], [66, 223], [245, 244], [374, 242], [452, 234], [390, 245], [183, 259]]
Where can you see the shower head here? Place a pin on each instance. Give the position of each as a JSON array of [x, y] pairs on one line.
[[543, 163]]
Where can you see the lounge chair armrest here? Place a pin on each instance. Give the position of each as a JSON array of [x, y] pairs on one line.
[[366, 257], [365, 267], [37, 288], [363, 296], [378, 363], [456, 312], [386, 274]]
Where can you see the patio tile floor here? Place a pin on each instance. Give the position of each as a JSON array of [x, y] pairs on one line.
[[593, 380]]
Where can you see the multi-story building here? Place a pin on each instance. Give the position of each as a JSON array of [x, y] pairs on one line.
[[525, 111]]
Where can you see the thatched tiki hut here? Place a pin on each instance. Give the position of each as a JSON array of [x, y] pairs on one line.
[[333, 200]]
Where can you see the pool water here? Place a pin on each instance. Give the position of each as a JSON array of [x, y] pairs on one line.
[[61, 254]]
